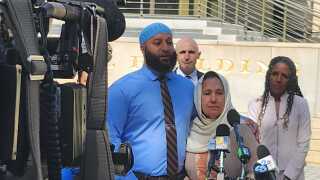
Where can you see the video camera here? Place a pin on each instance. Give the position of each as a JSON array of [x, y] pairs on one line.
[[46, 126]]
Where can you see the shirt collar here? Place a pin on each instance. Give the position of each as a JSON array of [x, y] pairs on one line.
[[153, 75], [193, 74], [282, 98]]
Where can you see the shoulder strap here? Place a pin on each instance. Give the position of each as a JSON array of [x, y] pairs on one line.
[[97, 158], [18, 15]]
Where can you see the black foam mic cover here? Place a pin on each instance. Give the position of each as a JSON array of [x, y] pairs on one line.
[[233, 117], [262, 151], [223, 130]]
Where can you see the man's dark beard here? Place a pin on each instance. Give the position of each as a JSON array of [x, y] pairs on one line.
[[154, 62]]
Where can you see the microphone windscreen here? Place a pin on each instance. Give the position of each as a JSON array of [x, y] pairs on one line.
[[259, 169], [223, 130], [261, 172], [233, 117], [262, 151], [265, 158]]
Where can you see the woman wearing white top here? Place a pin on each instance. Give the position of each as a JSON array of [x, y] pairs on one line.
[[284, 119]]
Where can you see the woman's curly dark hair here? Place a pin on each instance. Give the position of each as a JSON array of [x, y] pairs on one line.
[[292, 88]]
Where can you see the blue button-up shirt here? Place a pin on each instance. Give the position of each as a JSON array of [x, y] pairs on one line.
[[136, 115]]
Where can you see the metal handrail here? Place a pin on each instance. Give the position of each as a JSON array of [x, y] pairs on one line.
[[285, 20]]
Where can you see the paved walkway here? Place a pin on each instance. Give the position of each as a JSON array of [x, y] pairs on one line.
[[312, 172]]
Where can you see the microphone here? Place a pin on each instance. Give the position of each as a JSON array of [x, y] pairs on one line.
[[243, 152], [61, 11], [123, 159], [64, 11], [266, 159], [218, 147], [261, 172]]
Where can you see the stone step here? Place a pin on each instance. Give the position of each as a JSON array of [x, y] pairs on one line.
[[228, 37], [211, 33], [315, 145], [315, 123], [315, 134], [136, 29], [240, 32], [135, 34], [212, 30], [172, 23], [217, 31], [160, 16], [196, 28], [314, 153], [223, 25], [313, 157]]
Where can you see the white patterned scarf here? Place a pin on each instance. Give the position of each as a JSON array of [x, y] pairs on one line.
[[203, 128]]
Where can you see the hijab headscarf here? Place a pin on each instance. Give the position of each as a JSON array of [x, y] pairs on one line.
[[203, 128]]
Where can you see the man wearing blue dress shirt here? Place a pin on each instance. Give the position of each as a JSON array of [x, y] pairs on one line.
[[136, 110]]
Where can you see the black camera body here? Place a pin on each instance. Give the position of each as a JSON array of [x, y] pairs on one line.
[[49, 124]]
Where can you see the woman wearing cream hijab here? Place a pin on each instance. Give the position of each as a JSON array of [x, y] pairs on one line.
[[212, 101]]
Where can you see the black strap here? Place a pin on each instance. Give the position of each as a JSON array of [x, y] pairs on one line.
[[34, 125], [142, 176], [97, 158], [97, 83], [18, 14], [23, 26]]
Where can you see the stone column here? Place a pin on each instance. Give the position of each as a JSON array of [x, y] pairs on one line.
[[196, 7], [152, 6], [184, 7]]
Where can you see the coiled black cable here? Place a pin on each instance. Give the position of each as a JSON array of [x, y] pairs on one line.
[[51, 147], [50, 134]]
